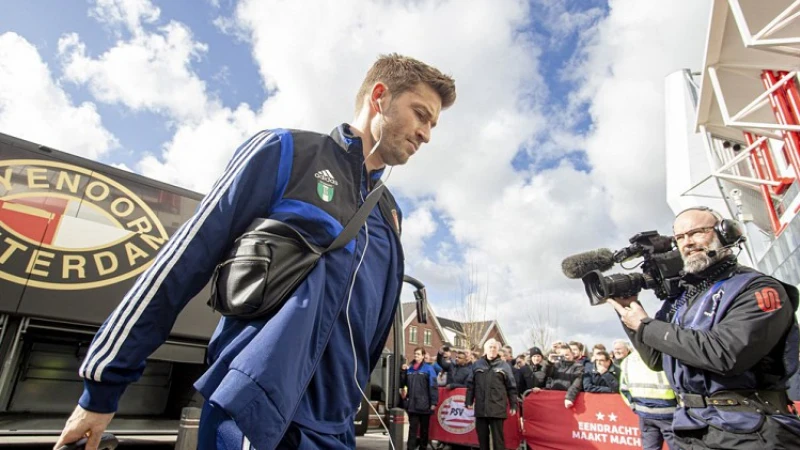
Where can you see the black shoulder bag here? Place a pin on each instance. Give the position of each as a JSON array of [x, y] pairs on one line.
[[269, 260]]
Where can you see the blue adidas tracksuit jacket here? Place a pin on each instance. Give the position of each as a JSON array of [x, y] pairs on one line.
[[295, 366]]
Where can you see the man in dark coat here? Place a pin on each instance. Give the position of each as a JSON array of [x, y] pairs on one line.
[[728, 344], [565, 375], [490, 390], [458, 371], [420, 396], [534, 375], [603, 377]]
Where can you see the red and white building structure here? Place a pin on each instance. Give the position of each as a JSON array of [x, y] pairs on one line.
[[733, 130]]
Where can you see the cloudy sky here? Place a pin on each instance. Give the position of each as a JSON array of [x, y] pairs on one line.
[[555, 145]]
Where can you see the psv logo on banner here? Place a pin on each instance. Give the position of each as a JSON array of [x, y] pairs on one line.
[[454, 417]]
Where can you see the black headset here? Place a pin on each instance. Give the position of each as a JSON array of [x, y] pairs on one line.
[[728, 231]]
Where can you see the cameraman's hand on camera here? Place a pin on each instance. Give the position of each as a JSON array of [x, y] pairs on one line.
[[630, 311], [623, 301]]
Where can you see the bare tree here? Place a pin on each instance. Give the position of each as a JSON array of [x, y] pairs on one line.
[[472, 307], [544, 321]]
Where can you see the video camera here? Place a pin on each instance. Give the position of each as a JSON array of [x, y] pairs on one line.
[[661, 269]]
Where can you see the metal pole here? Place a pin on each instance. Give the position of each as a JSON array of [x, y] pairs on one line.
[[783, 116], [396, 414], [398, 427], [773, 215], [188, 432], [397, 420]]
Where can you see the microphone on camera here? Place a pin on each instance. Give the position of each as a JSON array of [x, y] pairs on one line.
[[576, 266]]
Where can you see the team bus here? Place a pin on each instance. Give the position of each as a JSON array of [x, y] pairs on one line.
[[74, 235]]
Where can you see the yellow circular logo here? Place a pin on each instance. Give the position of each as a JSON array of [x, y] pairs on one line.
[[66, 227]]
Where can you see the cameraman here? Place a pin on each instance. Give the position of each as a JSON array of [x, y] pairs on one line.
[[724, 343]]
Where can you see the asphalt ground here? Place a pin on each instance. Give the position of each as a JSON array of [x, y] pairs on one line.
[[370, 441]]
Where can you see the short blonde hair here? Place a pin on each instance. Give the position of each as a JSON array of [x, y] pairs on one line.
[[401, 73]]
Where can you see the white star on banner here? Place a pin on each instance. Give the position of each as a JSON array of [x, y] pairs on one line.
[[612, 417], [600, 416]]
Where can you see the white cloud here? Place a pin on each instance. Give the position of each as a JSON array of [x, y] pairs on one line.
[[151, 71], [638, 45], [34, 107], [562, 21], [129, 14], [516, 226], [620, 72], [197, 153], [417, 227]]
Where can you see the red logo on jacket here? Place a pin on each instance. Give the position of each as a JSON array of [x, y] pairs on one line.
[[768, 299]]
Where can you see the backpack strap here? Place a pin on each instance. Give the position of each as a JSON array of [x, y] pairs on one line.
[[359, 218]]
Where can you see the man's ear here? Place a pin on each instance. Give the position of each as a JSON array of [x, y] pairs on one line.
[[380, 92]]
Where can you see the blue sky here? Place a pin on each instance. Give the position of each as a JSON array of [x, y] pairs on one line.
[[227, 68], [528, 157], [232, 76]]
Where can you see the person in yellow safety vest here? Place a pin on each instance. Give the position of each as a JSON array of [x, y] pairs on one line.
[[650, 396]]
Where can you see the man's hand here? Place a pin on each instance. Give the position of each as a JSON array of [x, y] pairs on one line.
[[513, 412], [632, 314], [601, 369], [404, 367], [624, 301], [83, 423], [468, 406], [535, 390], [568, 404], [433, 407]]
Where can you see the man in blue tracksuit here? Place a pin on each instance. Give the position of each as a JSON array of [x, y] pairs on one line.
[[728, 345], [262, 388]]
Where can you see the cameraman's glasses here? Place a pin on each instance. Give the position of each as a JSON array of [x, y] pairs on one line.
[[692, 233]]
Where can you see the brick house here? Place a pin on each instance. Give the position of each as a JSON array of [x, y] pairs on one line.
[[440, 331], [429, 335], [462, 335]]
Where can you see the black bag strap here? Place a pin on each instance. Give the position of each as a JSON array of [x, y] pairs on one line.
[[359, 218]]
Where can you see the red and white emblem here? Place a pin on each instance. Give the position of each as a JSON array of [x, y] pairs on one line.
[[69, 227], [454, 417]]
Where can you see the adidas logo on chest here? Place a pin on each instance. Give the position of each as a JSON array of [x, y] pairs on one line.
[[326, 184]]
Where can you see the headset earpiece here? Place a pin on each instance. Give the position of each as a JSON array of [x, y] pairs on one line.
[[729, 232]]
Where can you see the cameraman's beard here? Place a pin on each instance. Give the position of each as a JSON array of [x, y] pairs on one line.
[[700, 261]]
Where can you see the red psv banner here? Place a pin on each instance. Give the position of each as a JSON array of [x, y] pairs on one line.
[[597, 421], [453, 423]]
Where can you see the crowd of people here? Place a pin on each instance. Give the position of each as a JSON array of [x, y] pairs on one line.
[[566, 366], [497, 380]]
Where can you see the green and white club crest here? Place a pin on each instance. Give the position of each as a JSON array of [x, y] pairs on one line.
[[325, 185]]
